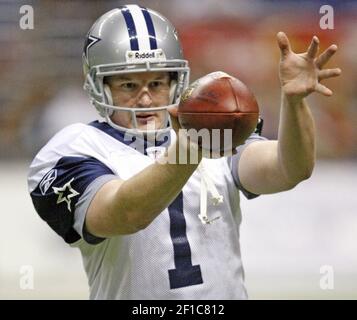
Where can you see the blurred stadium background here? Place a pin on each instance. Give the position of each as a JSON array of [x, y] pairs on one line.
[[285, 238]]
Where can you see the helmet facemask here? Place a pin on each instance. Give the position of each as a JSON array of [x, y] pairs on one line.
[[101, 96]]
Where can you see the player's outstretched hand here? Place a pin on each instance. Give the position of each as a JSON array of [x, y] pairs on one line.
[[300, 74]]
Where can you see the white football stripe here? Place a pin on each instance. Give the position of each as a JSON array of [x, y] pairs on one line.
[[141, 27]]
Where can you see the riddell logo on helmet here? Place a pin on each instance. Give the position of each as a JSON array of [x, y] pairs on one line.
[[152, 55], [146, 55]]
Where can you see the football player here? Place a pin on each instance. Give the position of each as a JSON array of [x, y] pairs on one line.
[[153, 230]]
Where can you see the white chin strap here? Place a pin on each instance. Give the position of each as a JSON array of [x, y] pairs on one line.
[[108, 96], [173, 86], [207, 186]]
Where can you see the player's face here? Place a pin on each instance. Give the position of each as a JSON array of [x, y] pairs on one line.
[[140, 90]]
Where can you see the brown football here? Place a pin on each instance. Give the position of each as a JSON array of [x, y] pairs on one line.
[[219, 101]]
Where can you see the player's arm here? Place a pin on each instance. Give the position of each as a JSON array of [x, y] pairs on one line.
[[124, 207], [273, 166]]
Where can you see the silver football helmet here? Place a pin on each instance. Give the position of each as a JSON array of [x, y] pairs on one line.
[[132, 39]]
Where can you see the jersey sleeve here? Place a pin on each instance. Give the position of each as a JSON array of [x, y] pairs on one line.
[[233, 163], [64, 193]]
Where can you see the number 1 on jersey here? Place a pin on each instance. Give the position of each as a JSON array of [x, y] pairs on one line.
[[184, 274]]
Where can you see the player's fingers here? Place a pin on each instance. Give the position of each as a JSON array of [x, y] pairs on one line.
[[329, 73], [283, 43], [324, 57], [173, 111], [323, 90], [313, 48]]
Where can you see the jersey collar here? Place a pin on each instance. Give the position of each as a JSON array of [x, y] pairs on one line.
[[132, 140]]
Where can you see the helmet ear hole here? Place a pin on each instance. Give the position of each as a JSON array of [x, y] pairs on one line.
[[108, 95]]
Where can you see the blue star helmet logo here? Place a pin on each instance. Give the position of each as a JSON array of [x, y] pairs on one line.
[[90, 41]]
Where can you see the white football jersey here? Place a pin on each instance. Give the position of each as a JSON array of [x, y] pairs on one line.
[[176, 256]]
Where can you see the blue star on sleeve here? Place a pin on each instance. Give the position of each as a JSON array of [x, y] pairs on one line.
[[65, 194], [60, 189]]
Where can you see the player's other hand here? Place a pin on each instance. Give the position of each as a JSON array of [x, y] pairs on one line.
[[183, 143], [300, 74], [173, 109]]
